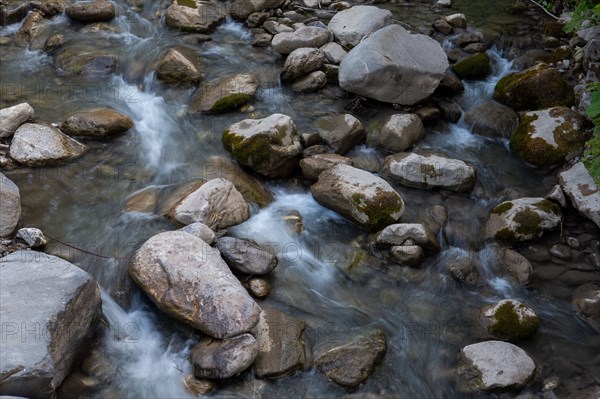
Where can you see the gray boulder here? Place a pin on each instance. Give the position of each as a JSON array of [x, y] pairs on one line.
[[246, 256], [10, 206], [581, 189], [13, 117], [301, 62], [340, 131], [312, 82], [306, 36], [49, 309], [96, 123], [334, 52], [352, 25], [399, 132], [219, 359], [201, 231]]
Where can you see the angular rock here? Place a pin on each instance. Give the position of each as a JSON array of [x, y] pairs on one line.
[[312, 82], [490, 119], [91, 11], [176, 69], [557, 196], [549, 137], [538, 87], [495, 366], [403, 233], [10, 206], [29, 32], [351, 364], [442, 26], [13, 117], [399, 132], [586, 300], [33, 237], [187, 279], [201, 19], [410, 255], [333, 52], [96, 123], [241, 9], [359, 196], [522, 219], [457, 20], [224, 95], [314, 165], [217, 203], [509, 320], [50, 309], [201, 231], [246, 256], [223, 358], [269, 146], [429, 171], [352, 25], [340, 131], [301, 62], [306, 36], [394, 66], [38, 145], [582, 191]]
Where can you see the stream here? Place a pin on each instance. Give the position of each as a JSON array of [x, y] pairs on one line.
[[426, 315]]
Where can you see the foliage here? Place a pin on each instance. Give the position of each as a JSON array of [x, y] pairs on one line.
[[585, 10], [591, 156]]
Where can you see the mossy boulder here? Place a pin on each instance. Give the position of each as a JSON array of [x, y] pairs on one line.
[[224, 95], [270, 146], [510, 320], [359, 196], [522, 219], [549, 137], [474, 67], [535, 88]]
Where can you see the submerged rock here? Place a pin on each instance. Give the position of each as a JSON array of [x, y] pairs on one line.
[[223, 358], [586, 301], [510, 320], [96, 123], [352, 25], [13, 117], [582, 190], [227, 94], [98, 63], [10, 206]]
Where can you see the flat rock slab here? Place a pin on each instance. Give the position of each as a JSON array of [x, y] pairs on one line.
[[583, 192]]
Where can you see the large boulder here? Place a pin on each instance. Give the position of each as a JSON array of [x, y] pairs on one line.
[[490, 119], [394, 66], [306, 36], [217, 203], [398, 132], [586, 301], [269, 146], [201, 18], [301, 62], [13, 117], [509, 320], [549, 137], [224, 95], [582, 190], [10, 206], [495, 366], [352, 25], [359, 196], [49, 311], [176, 69], [91, 11], [351, 364], [241, 9], [187, 279], [340, 131], [213, 358], [246, 256], [429, 171], [96, 123], [522, 219], [535, 88], [35, 144]]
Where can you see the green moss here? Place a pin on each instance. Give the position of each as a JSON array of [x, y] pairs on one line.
[[187, 3], [548, 207], [378, 209], [356, 259], [507, 325], [428, 171], [230, 102], [474, 67], [503, 207], [534, 150], [529, 223], [253, 151], [591, 158], [506, 235]]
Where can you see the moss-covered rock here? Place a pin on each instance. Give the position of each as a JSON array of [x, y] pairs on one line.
[[549, 137], [474, 67], [225, 95], [510, 320], [535, 88]]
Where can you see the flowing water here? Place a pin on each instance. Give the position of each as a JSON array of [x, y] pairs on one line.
[[427, 316]]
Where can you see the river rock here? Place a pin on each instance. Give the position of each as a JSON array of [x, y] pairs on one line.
[[352, 364], [409, 255], [73, 61], [13, 117], [306, 36], [259, 287], [50, 309], [549, 137], [312, 82], [188, 280], [212, 358], [394, 66], [246, 256], [96, 123], [91, 11], [13, 12], [241, 9], [313, 166], [522, 219], [398, 132], [582, 190], [352, 25], [557, 196], [30, 29], [217, 203], [476, 66], [490, 119], [514, 266], [403, 233], [200, 19], [33, 237], [301, 62], [224, 95], [269, 146], [359, 196], [201, 231], [280, 344], [429, 171], [333, 52], [340, 131], [176, 69], [35, 144], [509, 320], [535, 88], [495, 366], [10, 206], [586, 301]]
